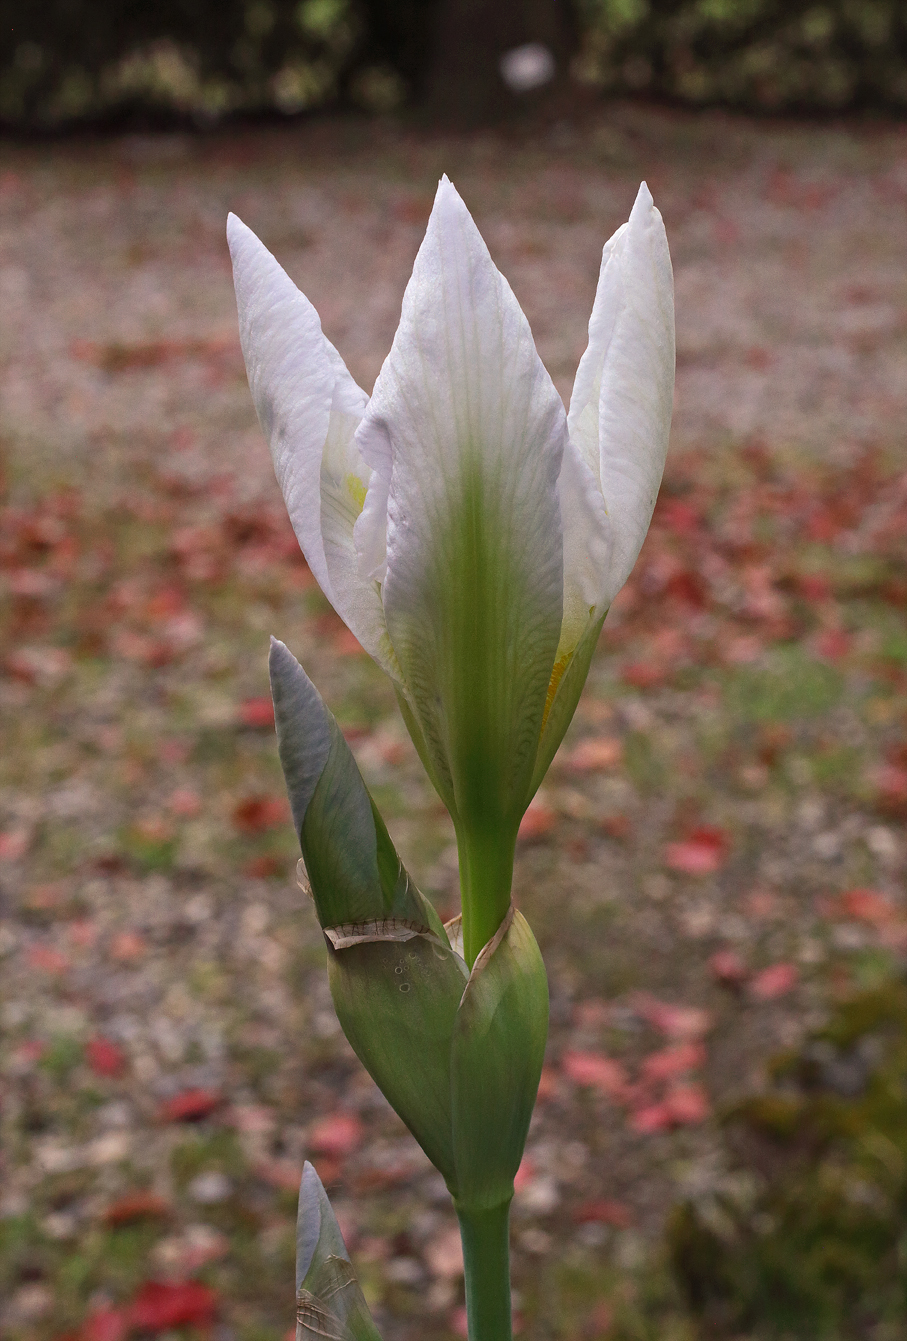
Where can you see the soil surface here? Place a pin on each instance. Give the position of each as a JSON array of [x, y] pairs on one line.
[[717, 855]]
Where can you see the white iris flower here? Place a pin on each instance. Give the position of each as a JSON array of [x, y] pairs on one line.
[[469, 532]]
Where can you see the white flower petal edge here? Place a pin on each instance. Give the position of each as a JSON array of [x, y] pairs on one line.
[[309, 408], [620, 412], [466, 432]]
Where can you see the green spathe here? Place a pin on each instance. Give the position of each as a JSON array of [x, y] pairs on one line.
[[458, 1054], [497, 1052], [329, 1300], [397, 1001], [354, 871], [458, 1059]]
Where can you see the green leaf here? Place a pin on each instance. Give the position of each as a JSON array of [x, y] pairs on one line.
[[329, 1300], [497, 1052], [396, 993]]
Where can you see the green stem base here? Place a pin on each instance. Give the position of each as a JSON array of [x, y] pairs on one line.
[[486, 878], [486, 1262]]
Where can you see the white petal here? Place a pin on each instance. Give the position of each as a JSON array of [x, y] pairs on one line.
[[465, 433], [309, 408], [620, 413], [586, 547], [582, 418], [292, 378], [357, 596]]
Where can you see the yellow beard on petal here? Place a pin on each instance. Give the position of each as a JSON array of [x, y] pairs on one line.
[[356, 490], [559, 667]]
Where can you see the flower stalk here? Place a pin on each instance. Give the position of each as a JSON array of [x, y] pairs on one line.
[[486, 1266], [472, 534], [486, 876]]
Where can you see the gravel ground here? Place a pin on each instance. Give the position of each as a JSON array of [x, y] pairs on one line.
[[735, 780]]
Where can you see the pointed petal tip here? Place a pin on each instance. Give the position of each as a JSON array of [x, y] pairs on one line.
[[447, 197], [643, 203], [237, 231]]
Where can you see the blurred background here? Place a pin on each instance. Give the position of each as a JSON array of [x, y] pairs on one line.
[[715, 865]]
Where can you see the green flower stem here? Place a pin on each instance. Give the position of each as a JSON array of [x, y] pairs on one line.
[[486, 1262], [486, 879]]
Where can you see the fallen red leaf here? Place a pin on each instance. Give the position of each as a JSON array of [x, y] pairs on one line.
[[117, 357], [815, 587], [166, 602], [105, 1324], [346, 644], [670, 1020], [644, 675], [728, 968], [336, 1136], [264, 867], [127, 946], [256, 712], [688, 1104], [161, 1305], [146, 651], [596, 1071], [190, 1106], [135, 1206], [676, 515], [890, 782], [774, 981], [702, 853], [867, 905], [652, 1118], [685, 1105], [538, 820], [46, 959], [185, 802], [29, 1052], [616, 826], [673, 1061], [38, 665], [104, 1057], [833, 644], [525, 1173], [14, 843], [458, 1322], [595, 754], [254, 814], [603, 1212]]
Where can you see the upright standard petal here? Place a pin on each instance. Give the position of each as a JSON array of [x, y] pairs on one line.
[[620, 412], [292, 378], [309, 408], [465, 433]]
